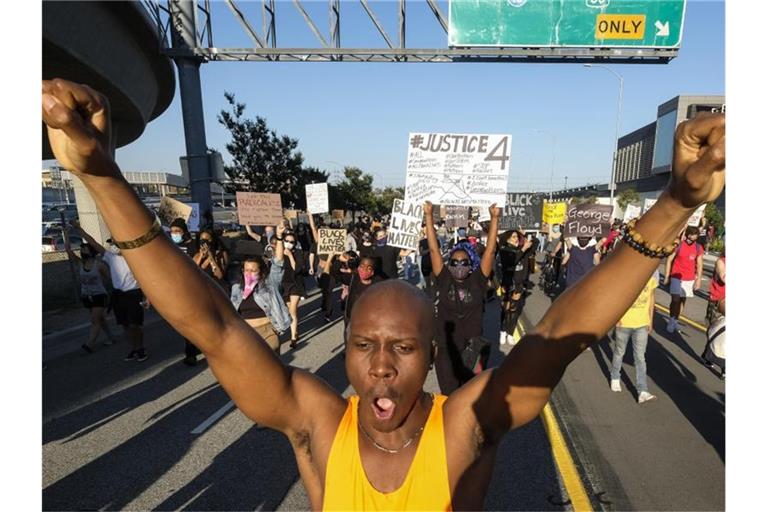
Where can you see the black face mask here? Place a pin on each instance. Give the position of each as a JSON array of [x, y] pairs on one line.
[[583, 242]]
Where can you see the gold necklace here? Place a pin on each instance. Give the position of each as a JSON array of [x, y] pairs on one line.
[[384, 448]]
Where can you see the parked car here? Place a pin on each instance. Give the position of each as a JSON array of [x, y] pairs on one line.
[[55, 243]]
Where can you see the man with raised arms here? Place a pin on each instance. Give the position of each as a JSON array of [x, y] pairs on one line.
[[392, 445]]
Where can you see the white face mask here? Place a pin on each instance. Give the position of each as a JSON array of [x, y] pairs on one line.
[[288, 245]]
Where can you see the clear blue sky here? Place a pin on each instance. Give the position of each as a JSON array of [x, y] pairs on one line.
[[361, 114]]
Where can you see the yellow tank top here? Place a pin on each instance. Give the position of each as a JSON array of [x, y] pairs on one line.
[[425, 486]]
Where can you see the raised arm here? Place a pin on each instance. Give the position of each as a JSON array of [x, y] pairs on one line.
[[699, 271], [489, 256], [312, 226], [516, 392], [79, 132], [435, 255], [252, 233]]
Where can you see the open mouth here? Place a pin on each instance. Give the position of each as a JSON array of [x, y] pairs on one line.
[[383, 408]]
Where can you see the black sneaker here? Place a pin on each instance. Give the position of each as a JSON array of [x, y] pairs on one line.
[[141, 355], [131, 356]]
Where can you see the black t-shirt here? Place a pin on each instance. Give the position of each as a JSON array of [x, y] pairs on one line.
[[514, 265], [188, 247], [460, 306], [365, 250], [387, 260], [426, 260], [339, 272], [356, 289]]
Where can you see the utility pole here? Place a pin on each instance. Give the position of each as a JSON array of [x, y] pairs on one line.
[[184, 38]]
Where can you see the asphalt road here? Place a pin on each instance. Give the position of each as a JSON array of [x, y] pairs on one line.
[[119, 435], [162, 435]]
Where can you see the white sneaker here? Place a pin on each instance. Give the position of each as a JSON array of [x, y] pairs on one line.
[[502, 338], [645, 397], [616, 385], [671, 325]]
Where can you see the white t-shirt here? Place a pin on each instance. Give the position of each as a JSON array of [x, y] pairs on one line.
[[122, 277]]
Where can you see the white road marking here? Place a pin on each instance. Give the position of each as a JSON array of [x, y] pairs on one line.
[[213, 418]]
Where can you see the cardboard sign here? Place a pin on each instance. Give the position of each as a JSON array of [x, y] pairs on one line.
[[695, 219], [259, 209], [522, 209], [632, 212], [456, 216], [648, 203], [317, 197], [337, 214], [589, 220], [171, 209], [457, 169], [331, 241], [405, 224], [554, 213]]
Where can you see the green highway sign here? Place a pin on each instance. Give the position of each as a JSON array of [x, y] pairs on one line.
[[566, 23]]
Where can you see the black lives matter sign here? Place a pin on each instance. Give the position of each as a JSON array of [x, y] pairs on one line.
[[331, 241], [522, 210], [588, 220]]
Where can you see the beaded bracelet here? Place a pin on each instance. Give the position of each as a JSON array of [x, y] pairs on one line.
[[633, 239]]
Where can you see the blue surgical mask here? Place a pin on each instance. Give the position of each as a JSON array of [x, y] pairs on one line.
[[177, 238], [381, 242], [462, 232]]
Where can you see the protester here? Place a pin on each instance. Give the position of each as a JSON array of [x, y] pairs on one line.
[[182, 238], [325, 280], [636, 324], [703, 239], [390, 445], [263, 239], [582, 257], [128, 301], [366, 248], [293, 282], [212, 257], [256, 296], [426, 264], [515, 267], [386, 255], [442, 234], [461, 287], [94, 276], [716, 290], [554, 249], [683, 274]]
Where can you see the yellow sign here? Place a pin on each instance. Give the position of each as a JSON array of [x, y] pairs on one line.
[[553, 213], [620, 26]]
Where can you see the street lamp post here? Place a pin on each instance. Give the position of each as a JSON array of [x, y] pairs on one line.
[[612, 186], [552, 168]]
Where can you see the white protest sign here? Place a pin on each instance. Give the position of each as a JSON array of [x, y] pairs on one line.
[[697, 215], [193, 223], [648, 203], [457, 169], [631, 212], [405, 224], [317, 197]]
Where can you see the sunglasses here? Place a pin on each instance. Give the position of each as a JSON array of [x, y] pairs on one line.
[[459, 263]]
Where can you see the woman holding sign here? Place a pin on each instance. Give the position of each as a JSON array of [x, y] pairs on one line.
[[461, 287]]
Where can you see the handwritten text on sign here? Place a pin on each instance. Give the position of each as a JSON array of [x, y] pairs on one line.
[[456, 216], [331, 241], [521, 210], [457, 169], [554, 213], [258, 209], [171, 209], [317, 197], [405, 224], [589, 220]]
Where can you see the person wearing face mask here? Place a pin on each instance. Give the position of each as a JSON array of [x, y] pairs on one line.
[[256, 296], [461, 286], [366, 246], [94, 275], [361, 279], [212, 257], [683, 274], [513, 257], [583, 255], [293, 281], [181, 237], [263, 239], [387, 255], [325, 280]]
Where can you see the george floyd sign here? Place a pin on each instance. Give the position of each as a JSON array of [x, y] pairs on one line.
[[522, 210], [588, 220]]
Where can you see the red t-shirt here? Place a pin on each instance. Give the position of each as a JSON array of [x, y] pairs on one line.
[[684, 264], [717, 287]]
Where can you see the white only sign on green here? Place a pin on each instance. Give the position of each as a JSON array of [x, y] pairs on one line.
[[566, 23]]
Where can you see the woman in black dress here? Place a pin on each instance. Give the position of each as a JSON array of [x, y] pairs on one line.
[[293, 282], [514, 254]]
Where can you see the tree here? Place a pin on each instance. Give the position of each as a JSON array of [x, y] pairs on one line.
[[383, 198], [262, 160], [356, 190], [627, 196], [584, 200], [714, 217]]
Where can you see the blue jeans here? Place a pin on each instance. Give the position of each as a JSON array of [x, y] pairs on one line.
[[639, 337]]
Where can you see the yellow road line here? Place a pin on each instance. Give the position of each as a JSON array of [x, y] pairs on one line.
[[568, 472], [682, 318]]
